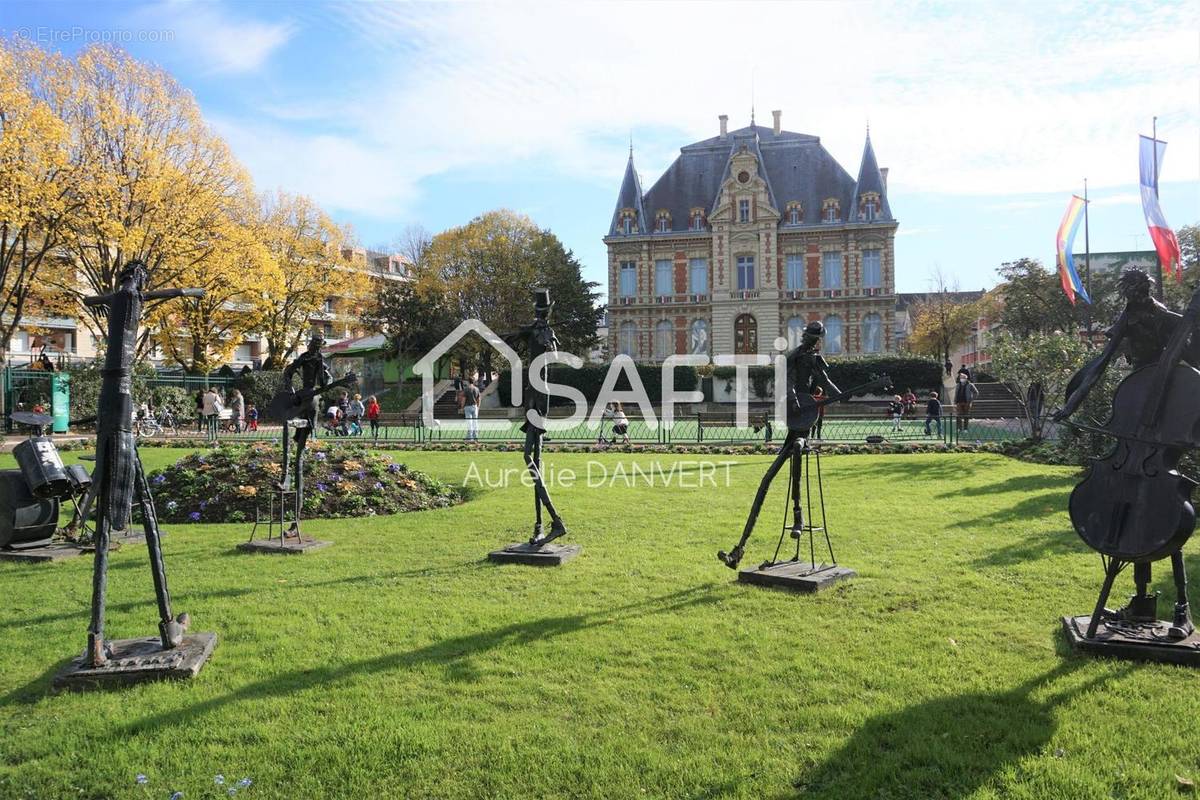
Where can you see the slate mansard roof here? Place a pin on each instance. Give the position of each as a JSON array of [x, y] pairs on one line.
[[795, 166]]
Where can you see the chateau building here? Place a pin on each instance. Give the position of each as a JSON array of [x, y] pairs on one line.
[[747, 237]]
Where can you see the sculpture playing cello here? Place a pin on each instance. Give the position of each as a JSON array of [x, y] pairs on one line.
[[1134, 506]]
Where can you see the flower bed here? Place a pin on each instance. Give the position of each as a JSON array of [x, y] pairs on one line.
[[228, 483]]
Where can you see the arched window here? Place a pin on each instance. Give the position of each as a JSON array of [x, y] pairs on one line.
[[745, 335], [699, 337], [664, 340], [833, 335], [795, 330], [627, 340], [872, 333], [830, 211]]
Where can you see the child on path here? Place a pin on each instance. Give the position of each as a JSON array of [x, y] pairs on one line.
[[896, 409]]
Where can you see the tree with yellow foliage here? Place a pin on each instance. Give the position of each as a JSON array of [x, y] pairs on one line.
[[303, 244], [152, 180], [942, 320], [37, 180], [199, 334]]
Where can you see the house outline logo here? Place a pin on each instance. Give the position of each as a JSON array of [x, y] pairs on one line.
[[427, 365]]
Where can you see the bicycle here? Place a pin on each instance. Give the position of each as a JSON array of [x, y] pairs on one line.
[[152, 425]]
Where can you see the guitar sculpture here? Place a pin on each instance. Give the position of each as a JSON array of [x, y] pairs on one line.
[[297, 410], [1134, 506]]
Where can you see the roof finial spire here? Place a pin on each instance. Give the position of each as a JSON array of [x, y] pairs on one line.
[[631, 144], [751, 98]]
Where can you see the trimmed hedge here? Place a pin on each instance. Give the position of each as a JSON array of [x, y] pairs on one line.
[[589, 379], [919, 373]]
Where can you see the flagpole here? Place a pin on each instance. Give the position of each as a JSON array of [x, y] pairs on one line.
[[1087, 261], [1154, 154]]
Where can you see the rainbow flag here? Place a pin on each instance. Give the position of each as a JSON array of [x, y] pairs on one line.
[[1150, 156], [1071, 283]]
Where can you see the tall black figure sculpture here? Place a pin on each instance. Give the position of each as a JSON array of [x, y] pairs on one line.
[[298, 411], [121, 480], [1134, 506], [806, 372], [535, 339]]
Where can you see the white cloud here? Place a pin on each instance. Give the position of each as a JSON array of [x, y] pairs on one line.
[[220, 42], [987, 99]]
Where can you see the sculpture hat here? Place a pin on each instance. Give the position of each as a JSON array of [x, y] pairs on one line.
[[814, 328], [541, 299]]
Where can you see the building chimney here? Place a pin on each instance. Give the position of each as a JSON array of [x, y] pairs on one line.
[[883, 172], [777, 115], [724, 125]]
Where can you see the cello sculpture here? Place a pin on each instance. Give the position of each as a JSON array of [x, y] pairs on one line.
[[1134, 506]]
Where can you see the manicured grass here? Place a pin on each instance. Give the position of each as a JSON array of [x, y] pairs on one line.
[[400, 664]]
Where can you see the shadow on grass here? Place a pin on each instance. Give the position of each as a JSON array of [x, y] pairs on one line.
[[947, 747], [1017, 483], [454, 654], [184, 598]]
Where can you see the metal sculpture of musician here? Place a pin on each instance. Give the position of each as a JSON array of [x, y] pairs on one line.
[[121, 481], [535, 339], [298, 411], [1134, 507]]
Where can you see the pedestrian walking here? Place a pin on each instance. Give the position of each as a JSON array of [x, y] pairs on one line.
[[237, 410], [356, 412], [965, 393], [896, 409], [373, 416], [471, 409], [933, 413]]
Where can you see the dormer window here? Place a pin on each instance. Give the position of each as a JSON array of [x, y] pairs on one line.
[[662, 221], [697, 219], [830, 211], [869, 206], [743, 210], [794, 213], [628, 221]]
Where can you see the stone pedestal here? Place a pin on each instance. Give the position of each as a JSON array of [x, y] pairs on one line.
[[798, 576], [289, 546], [138, 660], [1132, 641], [54, 551], [546, 555]]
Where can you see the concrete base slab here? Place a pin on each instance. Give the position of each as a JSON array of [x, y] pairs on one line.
[[798, 576], [289, 546], [55, 551], [1134, 642], [546, 555], [138, 660]]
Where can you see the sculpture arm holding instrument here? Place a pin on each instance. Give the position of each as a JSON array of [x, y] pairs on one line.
[[1081, 382]]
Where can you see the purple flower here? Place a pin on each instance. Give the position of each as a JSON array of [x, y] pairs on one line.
[[321, 487], [177, 796], [335, 477], [360, 474], [159, 480], [194, 516], [142, 778], [203, 505], [219, 780], [245, 783], [320, 456], [202, 460], [377, 486], [393, 468]]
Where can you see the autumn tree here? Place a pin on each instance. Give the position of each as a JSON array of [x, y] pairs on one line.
[[200, 334], [37, 181], [303, 243], [413, 315], [487, 269], [152, 180], [942, 319]]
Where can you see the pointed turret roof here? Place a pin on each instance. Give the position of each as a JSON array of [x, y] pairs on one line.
[[870, 179], [630, 196]]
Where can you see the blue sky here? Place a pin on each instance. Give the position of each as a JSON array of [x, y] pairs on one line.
[[394, 114]]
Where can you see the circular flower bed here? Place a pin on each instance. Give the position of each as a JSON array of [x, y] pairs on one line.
[[228, 483]]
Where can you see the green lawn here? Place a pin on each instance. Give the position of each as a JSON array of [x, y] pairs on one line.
[[399, 664]]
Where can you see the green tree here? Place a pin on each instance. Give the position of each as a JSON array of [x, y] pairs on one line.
[[1038, 365], [413, 315]]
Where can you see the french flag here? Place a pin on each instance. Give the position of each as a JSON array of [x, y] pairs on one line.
[[1150, 158]]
